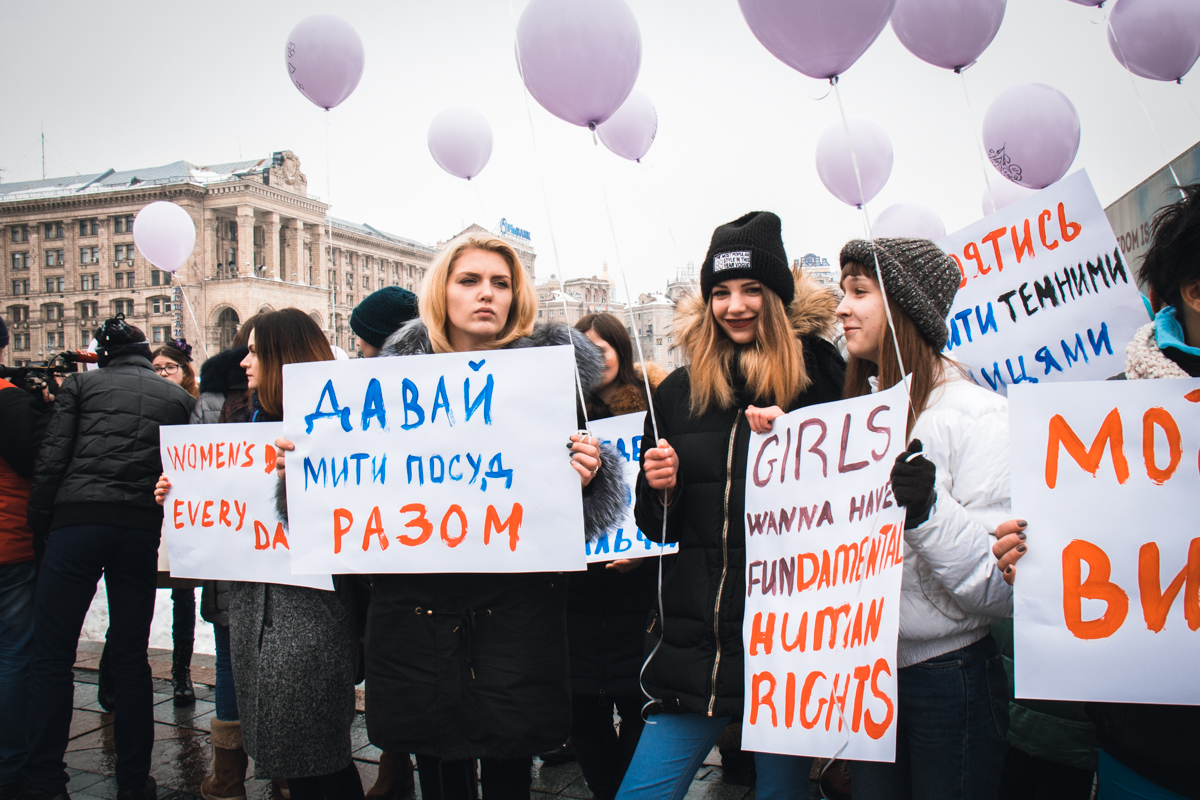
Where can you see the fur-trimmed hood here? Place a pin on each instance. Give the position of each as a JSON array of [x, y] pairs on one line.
[[223, 372], [629, 399]]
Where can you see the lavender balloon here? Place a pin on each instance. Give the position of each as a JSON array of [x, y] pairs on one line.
[[579, 58], [324, 59], [873, 151], [947, 33], [460, 141], [1001, 193], [1031, 133], [164, 234], [820, 38], [910, 220], [1092, 3], [1155, 39], [630, 132]]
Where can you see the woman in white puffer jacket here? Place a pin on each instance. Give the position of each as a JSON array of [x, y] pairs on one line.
[[953, 480]]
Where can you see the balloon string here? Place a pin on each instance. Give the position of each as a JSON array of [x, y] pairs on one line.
[[195, 324], [978, 140], [537, 160], [329, 221], [887, 306], [1145, 111]]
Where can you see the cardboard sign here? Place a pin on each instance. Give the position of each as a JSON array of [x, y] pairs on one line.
[[220, 518], [1046, 294], [1107, 600], [627, 540], [824, 556], [434, 463]]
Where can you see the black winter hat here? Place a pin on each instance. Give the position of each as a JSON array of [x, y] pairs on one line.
[[749, 247], [917, 275], [116, 337], [381, 314]]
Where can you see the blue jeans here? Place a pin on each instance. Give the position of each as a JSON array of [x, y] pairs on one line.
[[76, 557], [673, 748], [226, 695], [1119, 782], [17, 585], [951, 728]]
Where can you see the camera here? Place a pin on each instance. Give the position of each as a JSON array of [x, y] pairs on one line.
[[36, 377]]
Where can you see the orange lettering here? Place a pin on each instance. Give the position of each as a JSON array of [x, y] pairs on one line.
[[877, 729], [971, 251], [374, 528], [342, 520], [1088, 458], [759, 636], [491, 521], [462, 521], [1024, 244], [803, 583], [262, 539], [763, 700], [224, 515], [419, 522], [1043, 218], [1163, 419], [280, 538], [1096, 587], [269, 456], [176, 513], [805, 696], [861, 674], [205, 520], [1156, 603], [801, 633], [1069, 230], [994, 239]]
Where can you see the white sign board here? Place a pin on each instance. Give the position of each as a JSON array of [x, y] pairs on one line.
[[1107, 600], [626, 540], [455, 462], [1046, 294], [824, 556], [220, 518]]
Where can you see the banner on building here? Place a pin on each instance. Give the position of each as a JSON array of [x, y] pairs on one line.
[[219, 517], [626, 540], [824, 556], [454, 462], [1107, 600], [1046, 293]]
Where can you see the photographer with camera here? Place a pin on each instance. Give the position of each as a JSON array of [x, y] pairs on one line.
[[22, 418], [92, 504]]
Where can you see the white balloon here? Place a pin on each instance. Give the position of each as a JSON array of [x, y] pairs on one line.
[[460, 141], [909, 220], [872, 154], [631, 130], [1003, 192], [164, 234]]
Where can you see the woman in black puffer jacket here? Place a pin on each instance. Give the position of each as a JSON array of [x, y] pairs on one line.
[[757, 344]]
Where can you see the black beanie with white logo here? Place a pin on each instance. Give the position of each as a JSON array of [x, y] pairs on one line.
[[749, 247]]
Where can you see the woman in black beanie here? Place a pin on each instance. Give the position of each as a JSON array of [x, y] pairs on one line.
[[758, 342]]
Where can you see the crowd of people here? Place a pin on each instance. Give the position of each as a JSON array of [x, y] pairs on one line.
[[475, 675]]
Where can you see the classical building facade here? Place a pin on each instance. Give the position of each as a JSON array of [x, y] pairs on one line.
[[262, 243]]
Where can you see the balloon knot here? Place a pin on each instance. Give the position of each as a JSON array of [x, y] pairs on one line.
[[592, 126], [833, 81]]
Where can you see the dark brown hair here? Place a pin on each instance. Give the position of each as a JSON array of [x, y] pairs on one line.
[[287, 336], [922, 360], [173, 353], [242, 337], [611, 330]]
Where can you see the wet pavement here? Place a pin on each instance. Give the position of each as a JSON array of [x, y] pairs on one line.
[[182, 753]]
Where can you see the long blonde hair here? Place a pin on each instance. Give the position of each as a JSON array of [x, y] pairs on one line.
[[773, 365], [434, 312]]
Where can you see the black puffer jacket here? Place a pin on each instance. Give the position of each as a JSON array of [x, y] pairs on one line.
[[698, 669], [475, 665], [99, 458]]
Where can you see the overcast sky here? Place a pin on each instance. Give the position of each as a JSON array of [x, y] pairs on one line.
[[138, 84]]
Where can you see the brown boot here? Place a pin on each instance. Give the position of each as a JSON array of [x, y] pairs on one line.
[[227, 781], [395, 777]]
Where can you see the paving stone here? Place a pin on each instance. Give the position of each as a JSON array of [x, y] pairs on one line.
[[554, 779], [577, 788], [171, 714]]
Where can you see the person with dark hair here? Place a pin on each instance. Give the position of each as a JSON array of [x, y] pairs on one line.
[[607, 606], [22, 418], [757, 338], [952, 694], [379, 315], [92, 512]]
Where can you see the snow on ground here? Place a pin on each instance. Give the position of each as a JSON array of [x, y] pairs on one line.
[[96, 622]]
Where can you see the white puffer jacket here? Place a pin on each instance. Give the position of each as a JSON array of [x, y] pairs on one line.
[[952, 590]]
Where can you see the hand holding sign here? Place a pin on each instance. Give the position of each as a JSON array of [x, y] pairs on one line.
[[660, 466], [1009, 547]]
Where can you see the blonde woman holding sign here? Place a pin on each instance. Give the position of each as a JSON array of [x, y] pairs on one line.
[[482, 671]]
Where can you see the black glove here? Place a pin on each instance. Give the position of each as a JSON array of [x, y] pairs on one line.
[[913, 484]]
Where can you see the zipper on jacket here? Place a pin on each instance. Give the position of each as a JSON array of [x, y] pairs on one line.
[[712, 700]]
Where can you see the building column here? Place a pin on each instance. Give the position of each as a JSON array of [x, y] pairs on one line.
[[209, 245], [320, 262], [294, 262], [245, 242], [271, 247]]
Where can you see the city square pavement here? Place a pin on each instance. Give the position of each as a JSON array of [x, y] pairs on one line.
[[182, 753]]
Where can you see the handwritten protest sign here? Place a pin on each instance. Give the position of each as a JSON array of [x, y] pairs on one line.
[[1046, 294], [1107, 602], [824, 555], [627, 540], [434, 463], [220, 513]]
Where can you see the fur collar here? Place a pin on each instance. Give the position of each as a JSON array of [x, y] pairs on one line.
[[223, 372], [628, 399]]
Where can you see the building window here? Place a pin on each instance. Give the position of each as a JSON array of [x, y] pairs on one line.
[[161, 333], [89, 282], [89, 227], [334, 258], [58, 284], [21, 286], [20, 233], [539, 314], [52, 312], [350, 300], [160, 305], [55, 258], [20, 341], [366, 282], [18, 314], [332, 278], [124, 280], [53, 230], [349, 281], [233, 230], [20, 260], [89, 309], [54, 340], [160, 278], [125, 252], [123, 307], [89, 255], [124, 224]]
